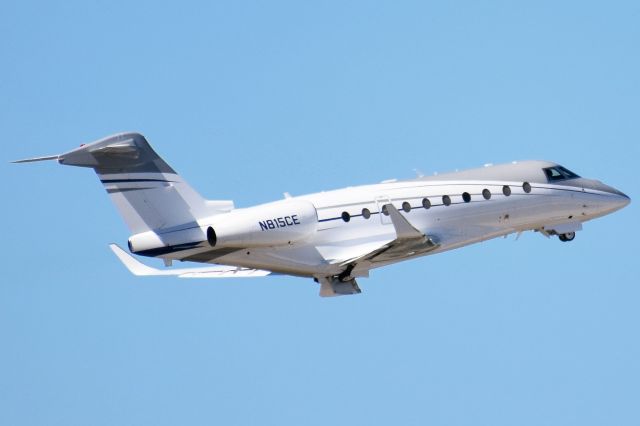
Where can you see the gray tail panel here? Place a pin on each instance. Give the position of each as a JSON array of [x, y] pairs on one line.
[[148, 193], [121, 153]]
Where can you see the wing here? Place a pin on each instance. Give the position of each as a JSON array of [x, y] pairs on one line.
[[408, 242], [360, 258], [219, 271]]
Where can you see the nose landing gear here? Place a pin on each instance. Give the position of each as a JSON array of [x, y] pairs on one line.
[[566, 237]]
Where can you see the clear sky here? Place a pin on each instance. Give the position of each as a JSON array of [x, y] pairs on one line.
[[248, 100]]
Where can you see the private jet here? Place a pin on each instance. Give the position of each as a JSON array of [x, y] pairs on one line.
[[335, 236]]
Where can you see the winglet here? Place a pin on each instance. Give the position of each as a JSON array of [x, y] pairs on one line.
[[404, 229]]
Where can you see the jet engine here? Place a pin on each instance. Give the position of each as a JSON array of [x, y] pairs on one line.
[[274, 224], [279, 223], [152, 243]]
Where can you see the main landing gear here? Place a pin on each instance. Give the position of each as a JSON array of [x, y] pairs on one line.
[[569, 236]]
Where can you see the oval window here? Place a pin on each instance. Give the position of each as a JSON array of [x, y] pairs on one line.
[[366, 213], [426, 203], [466, 197], [446, 200], [526, 187], [406, 207], [385, 211], [486, 194], [506, 190], [346, 216]]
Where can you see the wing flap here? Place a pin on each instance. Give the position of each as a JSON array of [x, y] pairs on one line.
[[344, 254]]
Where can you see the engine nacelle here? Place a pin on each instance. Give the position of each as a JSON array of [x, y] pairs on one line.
[[274, 224], [151, 243]]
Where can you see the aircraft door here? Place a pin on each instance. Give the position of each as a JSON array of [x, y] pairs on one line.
[[380, 202]]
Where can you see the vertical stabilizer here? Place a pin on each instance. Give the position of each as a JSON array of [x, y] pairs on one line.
[[148, 193]]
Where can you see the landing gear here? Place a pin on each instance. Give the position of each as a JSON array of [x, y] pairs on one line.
[[345, 276], [569, 236], [334, 286]]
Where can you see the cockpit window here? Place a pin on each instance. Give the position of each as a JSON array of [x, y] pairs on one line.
[[553, 173], [559, 173], [568, 173]]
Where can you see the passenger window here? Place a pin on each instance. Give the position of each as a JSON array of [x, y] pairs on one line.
[[526, 187], [366, 213], [446, 200], [506, 190], [406, 207], [486, 194], [346, 216], [466, 197], [426, 203]]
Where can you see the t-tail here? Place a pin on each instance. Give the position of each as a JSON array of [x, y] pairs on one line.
[[159, 207]]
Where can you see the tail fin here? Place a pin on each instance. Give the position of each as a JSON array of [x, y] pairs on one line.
[[148, 193]]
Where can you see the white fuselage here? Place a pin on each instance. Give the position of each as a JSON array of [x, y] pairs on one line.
[[483, 215], [332, 236]]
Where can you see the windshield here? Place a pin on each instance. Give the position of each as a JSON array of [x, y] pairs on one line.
[[559, 173]]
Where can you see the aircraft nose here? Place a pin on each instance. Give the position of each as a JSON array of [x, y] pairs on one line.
[[617, 199], [623, 199]]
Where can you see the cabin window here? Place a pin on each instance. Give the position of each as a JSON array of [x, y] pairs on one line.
[[446, 200], [426, 203], [466, 197], [366, 213], [406, 207], [346, 216], [506, 190], [526, 187], [486, 194], [385, 210]]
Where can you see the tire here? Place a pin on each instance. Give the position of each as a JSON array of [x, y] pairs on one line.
[[569, 236]]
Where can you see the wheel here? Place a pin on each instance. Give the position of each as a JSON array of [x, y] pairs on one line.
[[569, 236]]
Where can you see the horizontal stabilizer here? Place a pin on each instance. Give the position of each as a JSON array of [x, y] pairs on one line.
[[34, 159], [219, 271], [147, 192]]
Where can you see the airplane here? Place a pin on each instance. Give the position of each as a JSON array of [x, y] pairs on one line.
[[336, 236]]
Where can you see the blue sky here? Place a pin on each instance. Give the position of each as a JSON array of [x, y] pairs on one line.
[[250, 99]]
